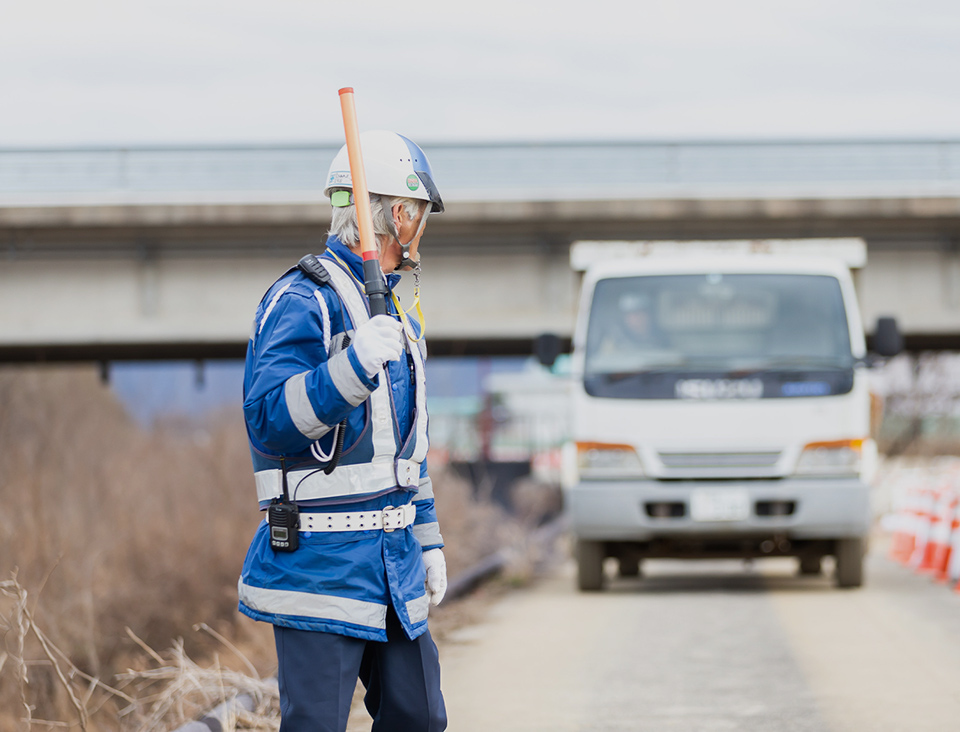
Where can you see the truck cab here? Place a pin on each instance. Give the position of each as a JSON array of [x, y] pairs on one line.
[[720, 408]]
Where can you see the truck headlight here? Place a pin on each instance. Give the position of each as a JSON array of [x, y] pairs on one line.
[[839, 457], [601, 460]]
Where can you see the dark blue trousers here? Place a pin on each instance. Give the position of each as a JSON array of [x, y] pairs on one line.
[[318, 674]]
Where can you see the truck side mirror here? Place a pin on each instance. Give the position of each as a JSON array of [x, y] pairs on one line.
[[546, 347], [887, 340]]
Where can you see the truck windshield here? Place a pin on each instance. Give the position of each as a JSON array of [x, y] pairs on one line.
[[665, 336]]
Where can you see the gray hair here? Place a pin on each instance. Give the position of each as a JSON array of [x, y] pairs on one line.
[[343, 225]]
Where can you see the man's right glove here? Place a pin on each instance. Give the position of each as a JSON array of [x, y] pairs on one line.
[[377, 341]]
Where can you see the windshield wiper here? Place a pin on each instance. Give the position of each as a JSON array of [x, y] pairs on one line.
[[630, 373], [795, 363]]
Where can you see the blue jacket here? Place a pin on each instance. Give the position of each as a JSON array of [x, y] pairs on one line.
[[300, 382]]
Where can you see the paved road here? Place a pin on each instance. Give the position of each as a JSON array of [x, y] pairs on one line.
[[710, 646]]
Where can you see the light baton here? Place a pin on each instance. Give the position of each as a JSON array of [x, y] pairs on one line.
[[373, 281]]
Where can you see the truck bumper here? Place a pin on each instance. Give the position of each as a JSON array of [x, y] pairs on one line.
[[646, 510]]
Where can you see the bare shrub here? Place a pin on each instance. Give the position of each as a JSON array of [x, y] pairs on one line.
[[116, 526], [534, 502], [177, 689], [168, 692], [472, 529]]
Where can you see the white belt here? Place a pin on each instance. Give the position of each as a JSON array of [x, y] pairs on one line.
[[388, 519]]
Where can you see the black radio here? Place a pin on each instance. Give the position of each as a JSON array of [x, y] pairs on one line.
[[284, 520], [283, 517]]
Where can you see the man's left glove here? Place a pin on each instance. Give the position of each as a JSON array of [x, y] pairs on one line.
[[436, 567]]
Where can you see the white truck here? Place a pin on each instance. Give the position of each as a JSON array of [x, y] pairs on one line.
[[720, 405]]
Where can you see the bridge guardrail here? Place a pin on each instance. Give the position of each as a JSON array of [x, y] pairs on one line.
[[503, 171]]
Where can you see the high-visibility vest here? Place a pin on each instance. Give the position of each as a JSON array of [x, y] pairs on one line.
[[383, 460]]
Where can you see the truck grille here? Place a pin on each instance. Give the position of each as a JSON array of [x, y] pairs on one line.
[[718, 460]]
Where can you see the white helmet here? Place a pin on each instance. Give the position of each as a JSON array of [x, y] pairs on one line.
[[395, 166]]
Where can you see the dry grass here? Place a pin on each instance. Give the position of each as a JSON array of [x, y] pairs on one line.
[[178, 690], [110, 527], [164, 695]]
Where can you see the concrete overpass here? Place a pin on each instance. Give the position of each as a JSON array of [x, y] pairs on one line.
[[164, 252]]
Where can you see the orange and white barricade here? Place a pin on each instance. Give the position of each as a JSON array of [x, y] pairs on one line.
[[905, 519], [924, 518], [951, 571], [939, 548]]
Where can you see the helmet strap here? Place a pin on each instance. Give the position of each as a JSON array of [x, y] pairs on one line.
[[406, 261]]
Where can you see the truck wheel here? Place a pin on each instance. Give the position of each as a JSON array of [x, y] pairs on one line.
[[590, 556], [811, 566], [850, 562], [629, 567]]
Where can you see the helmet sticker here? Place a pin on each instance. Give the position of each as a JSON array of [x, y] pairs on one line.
[[413, 182], [339, 178]]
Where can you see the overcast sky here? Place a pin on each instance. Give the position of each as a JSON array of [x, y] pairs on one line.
[[129, 71]]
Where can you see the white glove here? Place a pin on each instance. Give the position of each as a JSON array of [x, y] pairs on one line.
[[436, 567], [376, 342]]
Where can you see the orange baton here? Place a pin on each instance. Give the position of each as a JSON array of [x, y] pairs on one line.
[[373, 281]]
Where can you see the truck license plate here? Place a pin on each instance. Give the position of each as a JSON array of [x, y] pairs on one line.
[[721, 504]]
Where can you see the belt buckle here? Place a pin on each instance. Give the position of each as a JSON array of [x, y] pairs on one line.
[[383, 519]]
